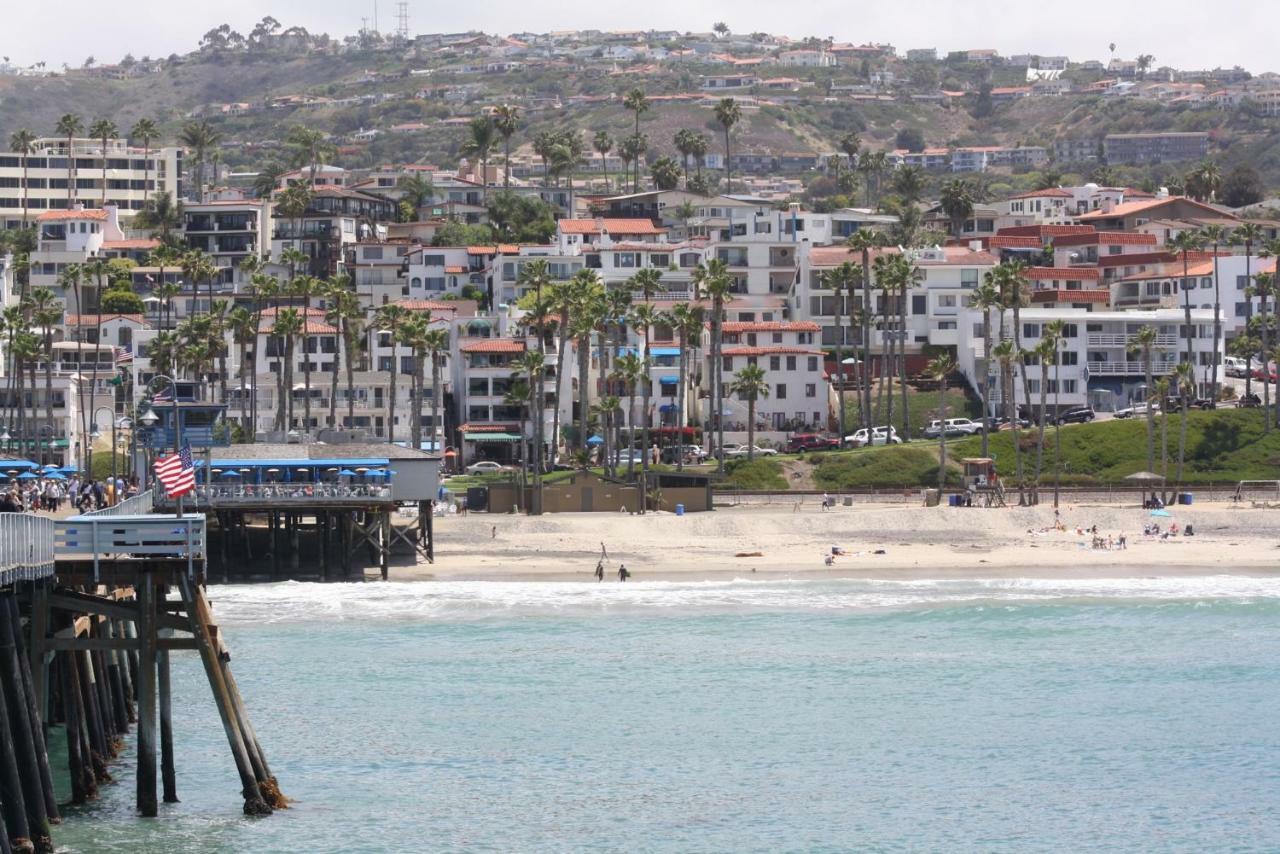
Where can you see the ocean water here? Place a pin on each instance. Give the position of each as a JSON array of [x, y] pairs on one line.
[[733, 716]]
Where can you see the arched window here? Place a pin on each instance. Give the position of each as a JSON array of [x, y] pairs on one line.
[[416, 283]]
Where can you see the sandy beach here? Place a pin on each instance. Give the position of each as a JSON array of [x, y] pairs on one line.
[[881, 541]]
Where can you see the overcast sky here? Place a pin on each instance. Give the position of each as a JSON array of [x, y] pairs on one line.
[[1183, 33]]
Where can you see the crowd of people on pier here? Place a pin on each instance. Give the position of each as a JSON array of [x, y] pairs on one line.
[[43, 494]]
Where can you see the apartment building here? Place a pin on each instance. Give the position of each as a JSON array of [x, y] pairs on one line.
[[56, 181], [336, 219], [1142, 148], [229, 232], [793, 363]]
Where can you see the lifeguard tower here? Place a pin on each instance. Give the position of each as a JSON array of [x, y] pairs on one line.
[[982, 482]]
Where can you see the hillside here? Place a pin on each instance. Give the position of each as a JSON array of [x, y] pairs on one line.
[[378, 92]]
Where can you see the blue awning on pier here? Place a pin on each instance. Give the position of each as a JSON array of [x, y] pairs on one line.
[[296, 463]]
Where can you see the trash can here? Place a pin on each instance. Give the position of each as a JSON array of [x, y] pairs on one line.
[[679, 509], [953, 500], [848, 501], [931, 498], [1185, 498]]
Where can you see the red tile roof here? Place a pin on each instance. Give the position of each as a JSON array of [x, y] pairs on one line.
[[493, 345], [63, 216], [500, 249], [313, 327], [137, 243], [1107, 238], [1100, 295], [1052, 192], [426, 305], [271, 311], [769, 326], [613, 226], [1063, 273], [1043, 231], [94, 319], [1137, 207], [1016, 243], [455, 269], [771, 351]]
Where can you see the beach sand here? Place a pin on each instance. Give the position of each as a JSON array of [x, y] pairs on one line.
[[780, 540]]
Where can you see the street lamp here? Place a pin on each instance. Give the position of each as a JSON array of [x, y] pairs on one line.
[[150, 418]]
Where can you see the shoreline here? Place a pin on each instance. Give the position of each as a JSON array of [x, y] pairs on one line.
[[778, 543]]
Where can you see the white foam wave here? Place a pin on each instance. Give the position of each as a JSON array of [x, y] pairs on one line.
[[464, 600]]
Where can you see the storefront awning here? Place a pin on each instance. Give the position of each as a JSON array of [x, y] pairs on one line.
[[491, 437], [664, 351], [668, 380]]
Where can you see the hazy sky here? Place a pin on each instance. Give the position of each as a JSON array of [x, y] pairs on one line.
[[1183, 33]]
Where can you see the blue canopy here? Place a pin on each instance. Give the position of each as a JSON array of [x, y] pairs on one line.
[[5, 465], [376, 473], [668, 380], [347, 473], [57, 475], [664, 351], [231, 473], [26, 475], [595, 440]]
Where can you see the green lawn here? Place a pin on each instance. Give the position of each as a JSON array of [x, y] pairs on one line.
[[1226, 445], [760, 473], [922, 407], [910, 465]]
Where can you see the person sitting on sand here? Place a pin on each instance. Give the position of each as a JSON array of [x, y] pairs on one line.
[[1173, 529], [836, 550], [829, 560], [1190, 531]]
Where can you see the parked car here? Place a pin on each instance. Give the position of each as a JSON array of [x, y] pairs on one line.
[[741, 451], [486, 467], [952, 427], [811, 442], [1266, 376], [878, 436], [729, 449], [1082, 415], [1203, 403], [1236, 367], [1138, 409]]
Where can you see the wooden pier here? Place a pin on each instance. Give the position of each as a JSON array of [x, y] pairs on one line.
[[87, 625]]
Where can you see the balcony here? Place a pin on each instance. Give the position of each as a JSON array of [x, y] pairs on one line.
[[1113, 369], [1124, 340]]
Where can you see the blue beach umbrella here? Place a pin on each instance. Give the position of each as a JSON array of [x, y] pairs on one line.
[[231, 473], [595, 440], [57, 475], [347, 473], [26, 475]]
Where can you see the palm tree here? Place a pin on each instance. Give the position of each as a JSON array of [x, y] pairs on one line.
[[162, 217], [940, 367], [1185, 374], [1184, 243], [417, 190], [68, 126], [1046, 353], [887, 284], [957, 203], [244, 331], [630, 152], [1159, 393], [436, 343], [1263, 286], [562, 300], [749, 384], [1144, 342], [391, 317], [479, 144], [199, 137], [536, 276], [413, 334], [1215, 235], [104, 130], [586, 314], [310, 146], [532, 364], [46, 313], [292, 204], [343, 314], [645, 317], [1269, 250], [145, 129], [1011, 277], [841, 280], [637, 103], [711, 279], [687, 322], [863, 241], [985, 298], [286, 329], [629, 369], [506, 120], [22, 143], [603, 144], [1006, 353], [305, 287], [728, 114], [605, 408]]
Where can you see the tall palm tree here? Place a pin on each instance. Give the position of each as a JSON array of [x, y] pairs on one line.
[[536, 276], [637, 103], [479, 144], [343, 314], [506, 121], [645, 317], [1006, 353], [1269, 250], [436, 344], [841, 280], [1046, 353], [586, 314], [391, 317], [1215, 235], [728, 114], [199, 137], [417, 190], [528, 367], [104, 130], [940, 367], [1185, 374], [985, 298], [687, 321], [711, 279], [603, 144], [628, 369], [1184, 243], [1144, 343], [286, 329], [1158, 395], [244, 331], [45, 314], [1263, 287], [305, 287], [22, 142], [145, 129], [162, 217], [863, 241], [413, 334], [606, 407], [957, 200], [309, 146], [750, 385], [563, 298], [68, 126]]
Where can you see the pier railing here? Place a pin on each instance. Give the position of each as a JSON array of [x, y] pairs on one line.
[[292, 492], [138, 505], [151, 536], [26, 547]]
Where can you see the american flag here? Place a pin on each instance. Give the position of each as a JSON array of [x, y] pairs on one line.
[[124, 355], [162, 397], [177, 472]]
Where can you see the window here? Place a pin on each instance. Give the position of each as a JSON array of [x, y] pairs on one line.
[[947, 301], [1115, 250], [968, 278], [810, 390], [777, 338], [781, 392], [728, 363], [946, 324], [1033, 386], [919, 304], [1068, 386], [775, 363], [1242, 282], [1206, 283], [791, 363], [1068, 358], [1242, 309], [813, 363], [478, 386], [1070, 330], [660, 260], [1030, 330]]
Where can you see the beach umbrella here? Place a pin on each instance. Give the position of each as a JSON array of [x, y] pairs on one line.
[[57, 475], [231, 473], [376, 473], [595, 440], [347, 473], [26, 475], [1145, 477], [1164, 513]]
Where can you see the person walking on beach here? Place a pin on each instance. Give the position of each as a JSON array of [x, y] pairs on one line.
[[493, 535], [623, 574], [826, 502], [604, 553]]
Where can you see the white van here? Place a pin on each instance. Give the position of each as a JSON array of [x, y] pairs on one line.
[[1236, 367], [879, 436]]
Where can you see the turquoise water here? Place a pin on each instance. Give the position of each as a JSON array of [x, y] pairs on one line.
[[744, 716]]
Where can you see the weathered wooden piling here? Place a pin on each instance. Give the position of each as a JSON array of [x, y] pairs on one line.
[[12, 801], [146, 776], [34, 721], [168, 773], [17, 711]]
